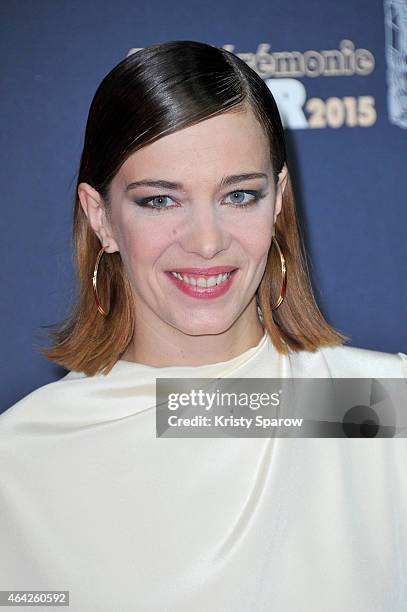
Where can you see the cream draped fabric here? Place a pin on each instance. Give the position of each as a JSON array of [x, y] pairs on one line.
[[93, 503]]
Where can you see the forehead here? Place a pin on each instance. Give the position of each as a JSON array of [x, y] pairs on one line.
[[231, 141]]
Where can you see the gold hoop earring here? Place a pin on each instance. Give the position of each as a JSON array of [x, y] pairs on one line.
[[283, 274], [94, 282]]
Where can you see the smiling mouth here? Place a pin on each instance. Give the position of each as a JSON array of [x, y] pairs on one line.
[[200, 280]]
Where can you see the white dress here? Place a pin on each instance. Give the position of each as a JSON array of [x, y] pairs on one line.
[[92, 502]]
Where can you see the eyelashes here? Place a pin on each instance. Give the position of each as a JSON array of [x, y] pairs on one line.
[[157, 208]]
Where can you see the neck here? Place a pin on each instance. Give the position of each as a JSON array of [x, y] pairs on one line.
[[161, 345]]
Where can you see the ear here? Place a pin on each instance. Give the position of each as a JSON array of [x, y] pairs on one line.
[[281, 185], [95, 210]]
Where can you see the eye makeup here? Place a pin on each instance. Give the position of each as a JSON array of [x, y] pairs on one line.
[[146, 202]]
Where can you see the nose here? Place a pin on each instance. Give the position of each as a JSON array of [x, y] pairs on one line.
[[206, 234]]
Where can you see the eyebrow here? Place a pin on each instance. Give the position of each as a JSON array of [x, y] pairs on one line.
[[170, 185]]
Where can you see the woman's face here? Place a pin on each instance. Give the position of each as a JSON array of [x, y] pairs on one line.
[[198, 217]]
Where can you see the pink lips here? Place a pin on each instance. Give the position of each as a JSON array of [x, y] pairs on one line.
[[204, 292]]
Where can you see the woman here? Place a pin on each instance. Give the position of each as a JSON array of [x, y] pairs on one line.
[[190, 265]]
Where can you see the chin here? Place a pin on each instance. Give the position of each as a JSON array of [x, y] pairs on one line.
[[203, 328]]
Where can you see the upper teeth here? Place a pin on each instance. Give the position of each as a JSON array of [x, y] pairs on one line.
[[200, 281]]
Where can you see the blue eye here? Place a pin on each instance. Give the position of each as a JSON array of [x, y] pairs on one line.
[[155, 203], [256, 195]]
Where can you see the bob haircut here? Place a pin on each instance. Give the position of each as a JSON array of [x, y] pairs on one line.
[[154, 92]]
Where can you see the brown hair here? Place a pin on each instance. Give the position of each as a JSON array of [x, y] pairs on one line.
[[150, 94]]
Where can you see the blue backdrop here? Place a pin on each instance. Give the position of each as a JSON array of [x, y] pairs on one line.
[[338, 71]]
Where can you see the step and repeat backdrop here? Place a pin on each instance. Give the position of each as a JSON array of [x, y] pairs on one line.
[[338, 72]]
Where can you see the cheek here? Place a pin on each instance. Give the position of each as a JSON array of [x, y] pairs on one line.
[[255, 236], [142, 244]]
